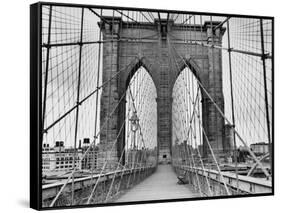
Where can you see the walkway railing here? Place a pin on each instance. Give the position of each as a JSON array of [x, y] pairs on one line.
[[107, 187], [247, 185]]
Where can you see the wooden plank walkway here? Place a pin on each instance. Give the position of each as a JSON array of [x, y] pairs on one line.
[[160, 185]]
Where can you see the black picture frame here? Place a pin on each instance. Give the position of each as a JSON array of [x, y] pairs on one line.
[[36, 106]]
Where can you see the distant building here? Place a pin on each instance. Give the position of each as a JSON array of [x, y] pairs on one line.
[[48, 158], [90, 160], [60, 158], [260, 148], [242, 154]]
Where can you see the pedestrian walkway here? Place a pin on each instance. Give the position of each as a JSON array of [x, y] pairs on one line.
[[160, 185]]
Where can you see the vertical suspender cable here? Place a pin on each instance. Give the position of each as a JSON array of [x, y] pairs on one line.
[[47, 71], [232, 104], [77, 109], [97, 98], [265, 91]]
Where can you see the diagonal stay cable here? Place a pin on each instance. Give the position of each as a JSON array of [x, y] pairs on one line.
[[192, 158], [227, 120], [90, 94], [213, 155], [192, 131], [88, 149], [105, 163], [91, 195]]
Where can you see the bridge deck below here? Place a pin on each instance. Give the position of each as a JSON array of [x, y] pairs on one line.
[[159, 186]]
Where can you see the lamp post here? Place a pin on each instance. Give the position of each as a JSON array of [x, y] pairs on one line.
[[134, 127]]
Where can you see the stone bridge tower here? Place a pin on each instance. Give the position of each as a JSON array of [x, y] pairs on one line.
[[124, 52]]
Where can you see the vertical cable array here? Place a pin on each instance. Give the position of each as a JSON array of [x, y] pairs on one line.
[[249, 87]]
